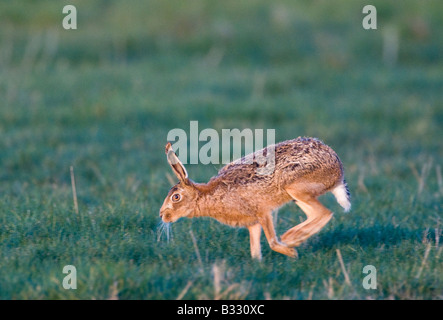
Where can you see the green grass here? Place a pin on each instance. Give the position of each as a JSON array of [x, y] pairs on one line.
[[103, 98]]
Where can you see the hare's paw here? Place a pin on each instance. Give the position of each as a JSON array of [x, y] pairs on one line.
[[293, 253], [284, 249]]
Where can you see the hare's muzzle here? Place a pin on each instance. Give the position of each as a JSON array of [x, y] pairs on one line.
[[165, 216]]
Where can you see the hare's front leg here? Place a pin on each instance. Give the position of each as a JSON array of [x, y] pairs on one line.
[[254, 238], [268, 228]]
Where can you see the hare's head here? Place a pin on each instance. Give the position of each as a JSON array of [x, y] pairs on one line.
[[181, 199]]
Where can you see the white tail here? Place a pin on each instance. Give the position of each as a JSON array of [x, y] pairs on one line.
[[341, 193]]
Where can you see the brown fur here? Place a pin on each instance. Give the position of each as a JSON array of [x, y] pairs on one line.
[[305, 168]]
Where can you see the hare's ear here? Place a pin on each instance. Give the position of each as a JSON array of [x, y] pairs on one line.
[[176, 165]]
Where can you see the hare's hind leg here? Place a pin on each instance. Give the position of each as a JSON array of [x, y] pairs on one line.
[[318, 217], [268, 228]]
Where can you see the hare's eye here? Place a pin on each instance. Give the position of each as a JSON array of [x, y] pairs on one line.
[[176, 197]]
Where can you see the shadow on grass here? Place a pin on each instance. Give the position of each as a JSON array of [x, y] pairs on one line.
[[373, 236]]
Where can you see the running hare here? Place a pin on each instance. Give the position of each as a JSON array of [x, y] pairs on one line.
[[240, 196]]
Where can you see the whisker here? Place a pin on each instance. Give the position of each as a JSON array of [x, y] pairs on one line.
[[163, 228], [160, 228], [168, 231]]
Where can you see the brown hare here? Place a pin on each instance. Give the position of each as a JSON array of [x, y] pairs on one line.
[[303, 169]]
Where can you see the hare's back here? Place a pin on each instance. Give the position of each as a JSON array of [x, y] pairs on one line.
[[305, 153], [296, 157], [308, 159]]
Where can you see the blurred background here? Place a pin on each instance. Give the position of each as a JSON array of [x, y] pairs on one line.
[[102, 99]]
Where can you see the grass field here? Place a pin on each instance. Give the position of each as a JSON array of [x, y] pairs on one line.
[[102, 99]]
